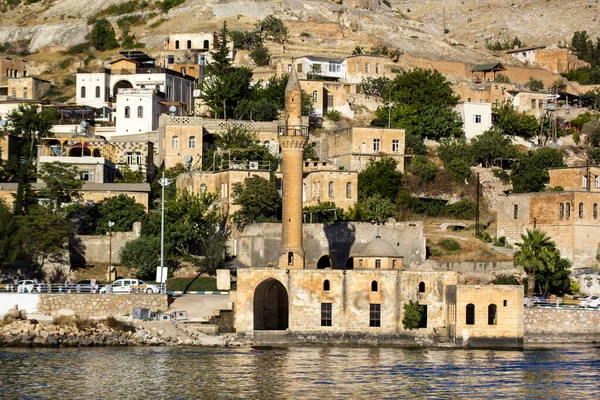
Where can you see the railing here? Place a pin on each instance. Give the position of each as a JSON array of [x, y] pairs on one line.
[[558, 304], [62, 288], [292, 130]]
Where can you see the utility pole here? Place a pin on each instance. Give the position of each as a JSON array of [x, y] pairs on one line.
[[477, 210]]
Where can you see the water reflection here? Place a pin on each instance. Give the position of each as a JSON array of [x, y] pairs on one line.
[[298, 373]]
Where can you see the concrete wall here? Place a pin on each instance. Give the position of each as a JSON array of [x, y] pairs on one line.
[[96, 248], [258, 245], [550, 325]]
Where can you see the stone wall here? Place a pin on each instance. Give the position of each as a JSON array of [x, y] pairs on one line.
[[100, 305], [462, 267], [550, 325], [96, 248]]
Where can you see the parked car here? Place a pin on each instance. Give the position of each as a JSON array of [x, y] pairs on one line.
[[27, 286], [590, 301], [131, 286]]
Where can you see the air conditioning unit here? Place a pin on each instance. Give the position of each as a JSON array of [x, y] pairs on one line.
[[253, 164]]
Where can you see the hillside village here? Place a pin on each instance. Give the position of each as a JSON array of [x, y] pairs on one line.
[[473, 146]]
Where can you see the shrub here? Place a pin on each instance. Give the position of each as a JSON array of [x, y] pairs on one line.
[[194, 284], [500, 242], [435, 252], [485, 236], [64, 64], [534, 84], [506, 280], [168, 4], [577, 137], [502, 175], [260, 55], [412, 315], [118, 326], [449, 244], [84, 323], [333, 115]]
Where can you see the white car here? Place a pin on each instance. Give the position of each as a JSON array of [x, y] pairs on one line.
[[27, 286], [590, 301], [131, 286]]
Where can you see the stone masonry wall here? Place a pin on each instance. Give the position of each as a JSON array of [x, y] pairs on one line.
[[96, 248], [101, 305], [548, 325]]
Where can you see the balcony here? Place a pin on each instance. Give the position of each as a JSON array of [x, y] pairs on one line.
[[292, 130]]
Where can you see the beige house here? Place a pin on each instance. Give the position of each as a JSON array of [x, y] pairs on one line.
[[27, 88], [12, 68], [327, 96], [323, 182], [364, 66], [188, 53], [555, 60]]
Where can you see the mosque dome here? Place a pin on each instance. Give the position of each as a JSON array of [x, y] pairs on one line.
[[379, 248]]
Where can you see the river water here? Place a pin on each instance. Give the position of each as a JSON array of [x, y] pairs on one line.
[[299, 373]]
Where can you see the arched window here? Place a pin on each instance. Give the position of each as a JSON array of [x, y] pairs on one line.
[[374, 286], [580, 210], [595, 210], [202, 188], [192, 142], [421, 287], [177, 44], [97, 92], [330, 189], [596, 181], [189, 44], [585, 181], [206, 44], [25, 96], [561, 210], [140, 112], [315, 96], [83, 92], [326, 285], [470, 314], [349, 189], [14, 92], [568, 210], [492, 314], [175, 142], [127, 112]]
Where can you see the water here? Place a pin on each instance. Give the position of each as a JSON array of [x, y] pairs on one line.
[[299, 373]]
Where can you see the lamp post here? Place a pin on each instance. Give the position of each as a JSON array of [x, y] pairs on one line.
[[163, 182], [392, 85], [110, 226]]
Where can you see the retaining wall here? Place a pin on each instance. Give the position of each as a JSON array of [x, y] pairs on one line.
[[550, 325]]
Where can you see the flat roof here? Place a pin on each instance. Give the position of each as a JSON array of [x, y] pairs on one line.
[[525, 49]]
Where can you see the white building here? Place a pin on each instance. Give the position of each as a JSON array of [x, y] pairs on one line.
[[525, 54], [137, 111], [332, 68], [477, 118]]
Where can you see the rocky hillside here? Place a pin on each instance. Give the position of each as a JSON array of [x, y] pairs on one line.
[[414, 26]]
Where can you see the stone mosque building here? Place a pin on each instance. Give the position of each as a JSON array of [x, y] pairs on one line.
[[361, 299]]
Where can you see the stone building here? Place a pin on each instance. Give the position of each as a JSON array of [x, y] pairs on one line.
[[327, 96], [569, 217], [558, 61], [311, 284], [352, 148], [11, 67], [26, 88]]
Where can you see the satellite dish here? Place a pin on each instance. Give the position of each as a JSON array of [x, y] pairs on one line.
[[83, 124], [3, 123], [172, 110]]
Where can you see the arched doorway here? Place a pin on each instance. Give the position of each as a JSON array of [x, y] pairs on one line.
[[121, 85], [270, 306], [324, 262]]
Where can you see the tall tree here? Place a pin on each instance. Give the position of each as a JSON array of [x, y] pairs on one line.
[[62, 183], [103, 35], [380, 177], [30, 123], [122, 210], [10, 243], [259, 201], [221, 61], [510, 122], [536, 253], [491, 145], [530, 174]]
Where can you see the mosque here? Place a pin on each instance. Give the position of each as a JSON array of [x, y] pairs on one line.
[[287, 302]]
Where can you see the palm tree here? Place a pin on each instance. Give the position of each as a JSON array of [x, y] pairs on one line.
[[536, 253]]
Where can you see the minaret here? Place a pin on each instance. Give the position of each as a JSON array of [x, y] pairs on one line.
[[292, 137]]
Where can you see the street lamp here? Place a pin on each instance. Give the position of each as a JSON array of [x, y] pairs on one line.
[[163, 182], [110, 225]]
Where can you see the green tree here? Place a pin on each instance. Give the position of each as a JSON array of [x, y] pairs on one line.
[[376, 209], [30, 123], [323, 213], [10, 244], [103, 35], [583, 119], [530, 174], [223, 92], [379, 86], [126, 175], [272, 28], [221, 62], [510, 122], [412, 315], [142, 254], [534, 84], [170, 190], [380, 177], [557, 280], [62, 183], [537, 252], [260, 55], [456, 149], [491, 145], [122, 210], [424, 169], [245, 40], [259, 201]]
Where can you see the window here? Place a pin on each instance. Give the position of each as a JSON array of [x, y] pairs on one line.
[[533, 103], [202, 189], [561, 210], [87, 176], [192, 142], [97, 92], [299, 68], [377, 68], [329, 100], [170, 59], [367, 67], [314, 190], [129, 156], [316, 68], [580, 210], [14, 92], [374, 286], [127, 112], [568, 210], [492, 314], [206, 44], [140, 112], [290, 258], [349, 189], [360, 263], [421, 287], [596, 181], [376, 144], [505, 303], [585, 181], [470, 314], [516, 211], [395, 145], [326, 285], [82, 92], [175, 142], [374, 315], [330, 189], [335, 67], [25, 93], [477, 118], [315, 96], [177, 44], [138, 158], [595, 210], [377, 263], [189, 44], [325, 314]]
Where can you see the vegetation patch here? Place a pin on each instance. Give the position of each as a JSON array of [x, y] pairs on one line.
[[449, 245], [194, 284], [118, 326]]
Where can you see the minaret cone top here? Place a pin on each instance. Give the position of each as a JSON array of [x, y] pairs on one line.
[[293, 82]]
